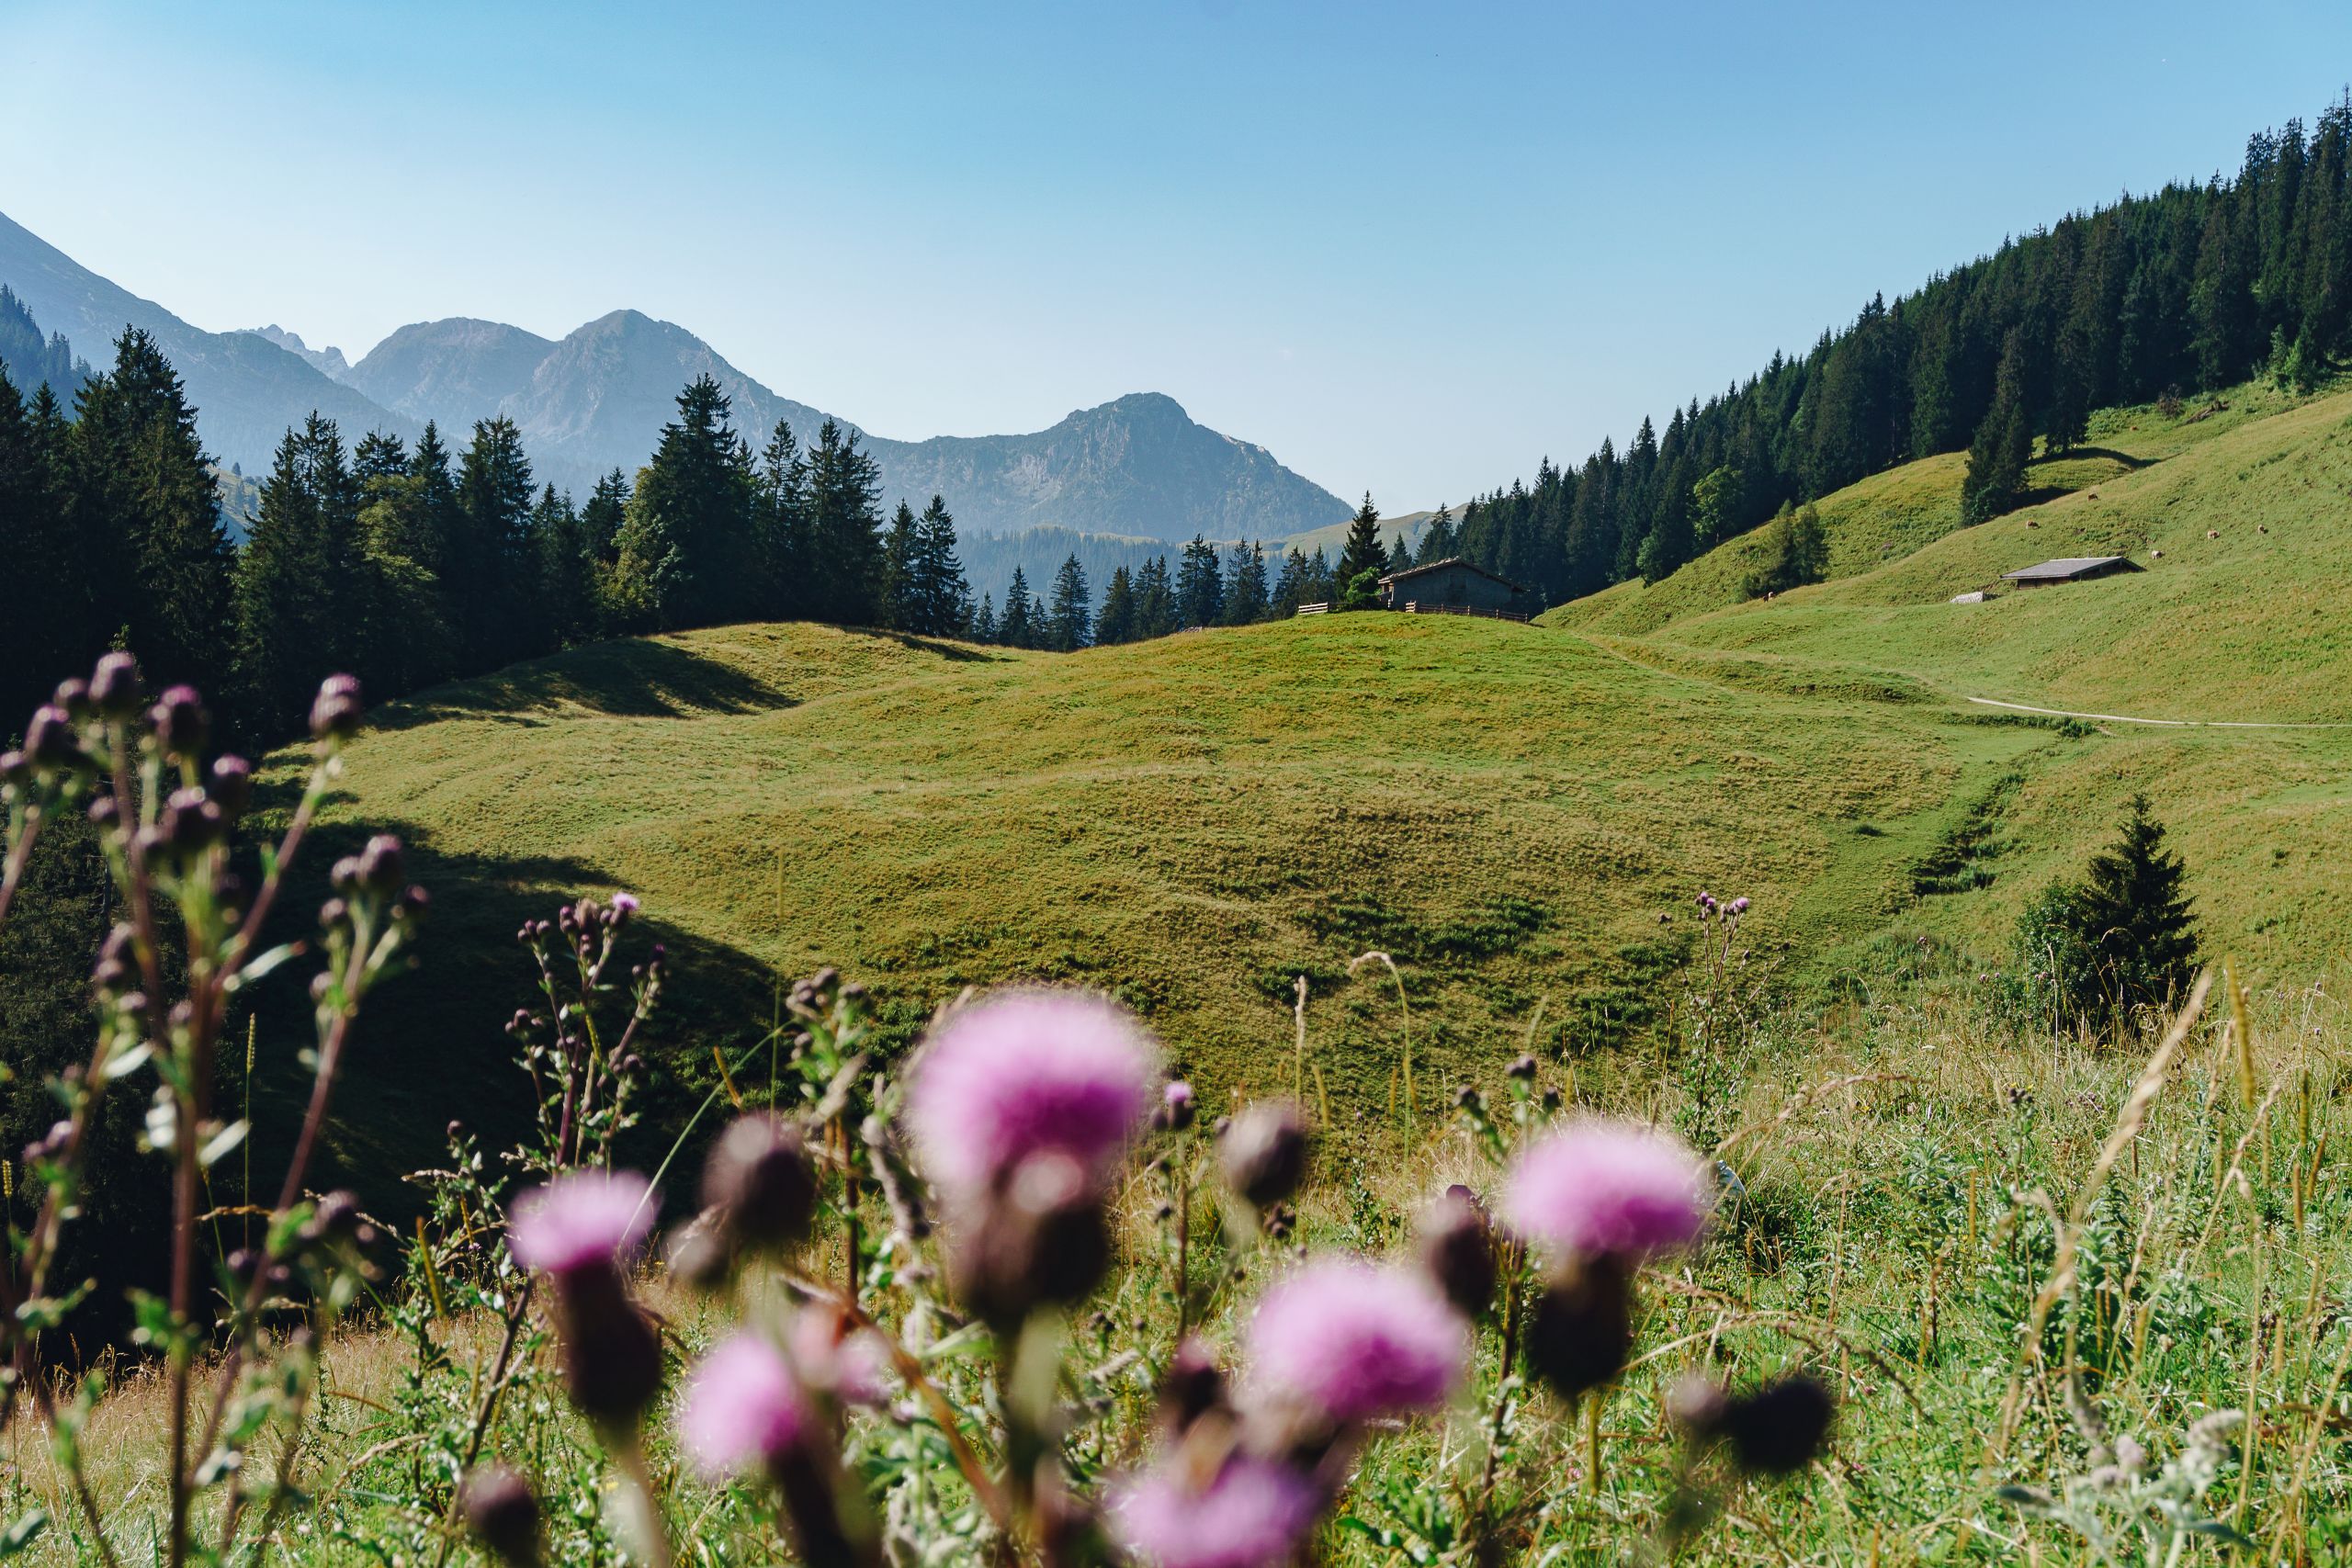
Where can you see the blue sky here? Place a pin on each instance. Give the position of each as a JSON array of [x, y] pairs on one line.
[[1408, 248]]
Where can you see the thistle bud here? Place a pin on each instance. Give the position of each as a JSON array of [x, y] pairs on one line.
[[15, 770], [1039, 1240], [334, 714], [1192, 1387], [73, 696], [504, 1516], [381, 867], [1583, 1330], [192, 821], [50, 745], [181, 724], [759, 1180], [1457, 1248], [1176, 1108], [1523, 1068], [114, 686], [233, 784], [1777, 1430], [1263, 1153]]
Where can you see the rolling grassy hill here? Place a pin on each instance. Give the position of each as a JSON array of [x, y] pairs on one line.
[[1519, 815]]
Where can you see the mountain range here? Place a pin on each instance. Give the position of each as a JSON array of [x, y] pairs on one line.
[[596, 400]]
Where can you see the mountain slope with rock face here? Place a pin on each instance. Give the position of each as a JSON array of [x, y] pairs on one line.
[[248, 390]]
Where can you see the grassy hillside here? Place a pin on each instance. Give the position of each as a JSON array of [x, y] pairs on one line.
[[1518, 813], [1191, 823]]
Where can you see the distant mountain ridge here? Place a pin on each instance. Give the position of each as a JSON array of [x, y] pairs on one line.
[[596, 400]]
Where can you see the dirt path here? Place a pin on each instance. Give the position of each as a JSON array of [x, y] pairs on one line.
[[2162, 723]]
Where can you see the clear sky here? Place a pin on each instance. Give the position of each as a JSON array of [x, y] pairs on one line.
[[1408, 247]]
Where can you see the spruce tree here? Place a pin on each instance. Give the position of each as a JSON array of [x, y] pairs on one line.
[[780, 515], [1116, 622], [689, 543], [287, 610], [1154, 600], [1291, 586], [1246, 594], [144, 492], [902, 588], [45, 625], [1995, 482], [947, 598], [1437, 539], [844, 529], [496, 556], [2122, 938], [984, 629], [1015, 627], [1200, 586], [1069, 620], [1365, 552]]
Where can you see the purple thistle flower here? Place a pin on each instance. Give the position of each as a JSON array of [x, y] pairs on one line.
[[849, 1362], [581, 1220], [743, 1408], [1026, 1072], [1352, 1341], [1739, 906], [1251, 1514], [1601, 1187]]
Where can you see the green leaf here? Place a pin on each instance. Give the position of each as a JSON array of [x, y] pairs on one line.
[[2219, 1531], [20, 1535], [262, 966]]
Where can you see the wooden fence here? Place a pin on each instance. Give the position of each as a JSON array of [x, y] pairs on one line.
[[1415, 607]]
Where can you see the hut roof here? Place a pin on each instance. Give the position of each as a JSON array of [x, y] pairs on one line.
[[1451, 560], [2067, 569]]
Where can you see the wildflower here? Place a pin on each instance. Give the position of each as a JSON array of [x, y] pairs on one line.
[[624, 908], [1026, 1072], [743, 1408], [1176, 1108], [503, 1514], [1457, 1248], [759, 1180], [830, 1353], [745, 1412], [580, 1222], [1600, 1188], [1252, 1513], [1350, 1342], [574, 1230], [1263, 1153]]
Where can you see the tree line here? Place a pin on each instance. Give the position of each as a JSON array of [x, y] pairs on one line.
[[1236, 585], [2191, 289], [412, 565]]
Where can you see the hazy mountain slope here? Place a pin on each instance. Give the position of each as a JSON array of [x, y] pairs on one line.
[[328, 360], [1138, 465], [598, 401], [247, 390], [454, 371]]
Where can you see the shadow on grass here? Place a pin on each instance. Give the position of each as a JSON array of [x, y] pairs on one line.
[[2073, 454], [431, 1047], [633, 678]]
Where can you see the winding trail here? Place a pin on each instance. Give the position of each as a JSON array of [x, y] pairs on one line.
[[2163, 723]]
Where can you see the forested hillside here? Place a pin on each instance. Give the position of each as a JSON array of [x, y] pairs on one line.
[[2164, 296]]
